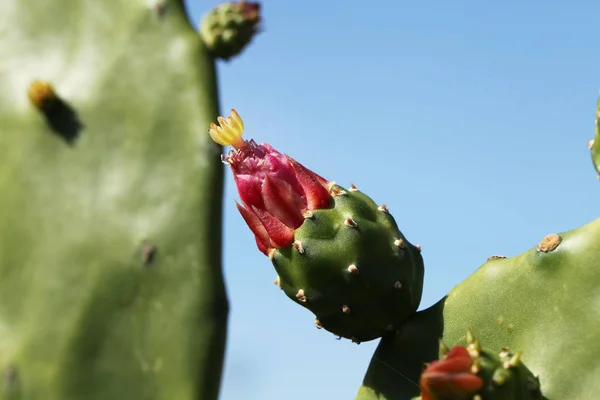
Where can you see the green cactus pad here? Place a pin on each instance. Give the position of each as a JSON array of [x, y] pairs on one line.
[[110, 204], [594, 144], [228, 28], [353, 268], [543, 302]]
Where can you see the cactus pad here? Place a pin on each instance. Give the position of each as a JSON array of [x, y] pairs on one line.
[[352, 267]]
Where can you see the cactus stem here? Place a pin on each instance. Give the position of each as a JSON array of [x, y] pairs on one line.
[[277, 282], [355, 340], [495, 257], [318, 324], [350, 222], [399, 243], [383, 208], [298, 246], [591, 144], [353, 188], [353, 269], [398, 285], [345, 309], [549, 243], [307, 214], [301, 296]]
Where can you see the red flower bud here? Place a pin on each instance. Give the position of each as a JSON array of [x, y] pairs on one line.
[[450, 378], [276, 191]]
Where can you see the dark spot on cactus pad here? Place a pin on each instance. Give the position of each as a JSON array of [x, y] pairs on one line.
[[148, 254], [549, 243], [60, 116], [495, 257], [10, 380]]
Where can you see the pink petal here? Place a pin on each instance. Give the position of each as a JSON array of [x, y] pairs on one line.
[[253, 222], [281, 201], [249, 189], [280, 234], [316, 194]]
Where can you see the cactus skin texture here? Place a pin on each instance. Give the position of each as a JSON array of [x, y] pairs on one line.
[[541, 302], [336, 252], [594, 144], [228, 28], [110, 204], [356, 271]]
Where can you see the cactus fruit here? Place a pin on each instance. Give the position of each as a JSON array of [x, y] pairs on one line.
[[336, 252], [473, 372], [110, 244], [542, 302], [228, 28], [594, 144]]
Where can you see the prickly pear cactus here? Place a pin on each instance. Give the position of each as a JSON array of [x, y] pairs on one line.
[[355, 270], [110, 204], [335, 251], [540, 303]]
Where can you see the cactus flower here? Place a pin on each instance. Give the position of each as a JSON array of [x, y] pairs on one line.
[[277, 192], [451, 378]]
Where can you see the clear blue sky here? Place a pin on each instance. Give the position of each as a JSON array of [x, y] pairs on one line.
[[469, 121]]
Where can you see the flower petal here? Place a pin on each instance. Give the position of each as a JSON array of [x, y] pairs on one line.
[[316, 194], [253, 222], [280, 234], [281, 201]]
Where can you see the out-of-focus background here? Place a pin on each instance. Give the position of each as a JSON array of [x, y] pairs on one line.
[[469, 119]]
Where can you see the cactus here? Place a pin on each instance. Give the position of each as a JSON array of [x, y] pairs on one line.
[[335, 251], [110, 266]]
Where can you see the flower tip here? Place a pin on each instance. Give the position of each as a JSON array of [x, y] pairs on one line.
[[229, 131]]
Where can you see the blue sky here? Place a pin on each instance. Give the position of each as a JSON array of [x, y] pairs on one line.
[[469, 120]]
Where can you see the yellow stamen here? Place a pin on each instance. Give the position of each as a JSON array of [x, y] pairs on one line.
[[229, 131]]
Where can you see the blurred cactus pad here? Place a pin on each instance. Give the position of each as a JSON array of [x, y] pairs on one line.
[[110, 206]]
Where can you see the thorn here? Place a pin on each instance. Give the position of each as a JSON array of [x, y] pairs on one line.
[[504, 353], [336, 191], [498, 378], [443, 348], [277, 281], [355, 340], [514, 361], [338, 338], [298, 246], [470, 338], [591, 144], [398, 285], [353, 269], [353, 188], [495, 257], [383, 208], [399, 243], [307, 214], [148, 254], [477, 397], [350, 222], [346, 309], [301, 296], [418, 247], [389, 328], [318, 324], [271, 253], [476, 367], [474, 348]]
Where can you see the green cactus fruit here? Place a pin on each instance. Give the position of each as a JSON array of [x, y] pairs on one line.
[[542, 302], [594, 144], [228, 28], [110, 204], [336, 252], [352, 267]]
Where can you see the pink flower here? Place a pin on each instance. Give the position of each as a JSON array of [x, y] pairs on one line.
[[450, 378], [277, 192]]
